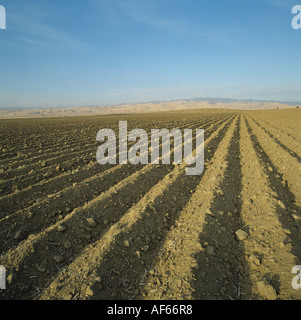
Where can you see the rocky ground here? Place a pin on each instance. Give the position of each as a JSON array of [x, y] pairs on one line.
[[74, 229]]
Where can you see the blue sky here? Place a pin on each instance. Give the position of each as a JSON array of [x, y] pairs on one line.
[[100, 52]]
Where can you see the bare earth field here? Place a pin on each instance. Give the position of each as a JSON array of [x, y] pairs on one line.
[[71, 228]]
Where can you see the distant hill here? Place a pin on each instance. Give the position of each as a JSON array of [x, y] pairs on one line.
[[143, 107]]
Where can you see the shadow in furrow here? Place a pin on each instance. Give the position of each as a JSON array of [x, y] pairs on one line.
[[284, 147], [111, 209], [124, 270], [47, 212], [284, 195], [222, 271]]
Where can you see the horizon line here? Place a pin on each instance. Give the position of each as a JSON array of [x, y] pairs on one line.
[[157, 101]]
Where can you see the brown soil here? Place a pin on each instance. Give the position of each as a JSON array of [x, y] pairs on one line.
[[73, 229]]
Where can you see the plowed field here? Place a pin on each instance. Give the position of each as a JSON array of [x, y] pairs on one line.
[[71, 228]]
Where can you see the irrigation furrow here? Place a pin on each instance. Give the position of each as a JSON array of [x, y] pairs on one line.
[[130, 239], [76, 147], [73, 229], [36, 135], [269, 253], [183, 268], [77, 232], [283, 140], [20, 224], [74, 144], [29, 196], [27, 178], [284, 120], [105, 202], [287, 167], [281, 130]]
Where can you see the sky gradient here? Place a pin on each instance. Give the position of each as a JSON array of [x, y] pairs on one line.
[[103, 52]]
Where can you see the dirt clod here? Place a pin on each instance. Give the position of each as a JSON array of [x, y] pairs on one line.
[[241, 235], [266, 290], [58, 258], [91, 222], [210, 250]]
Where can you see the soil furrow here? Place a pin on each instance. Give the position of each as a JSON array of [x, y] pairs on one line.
[[27, 197], [28, 177], [69, 144], [286, 144], [20, 224], [74, 229], [194, 261], [280, 130], [288, 209], [269, 255], [145, 220], [51, 235], [77, 147], [282, 163], [34, 254]]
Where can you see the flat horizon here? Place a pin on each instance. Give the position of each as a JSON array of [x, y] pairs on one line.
[[289, 103]]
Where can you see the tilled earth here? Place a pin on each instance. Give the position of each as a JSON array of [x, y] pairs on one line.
[[71, 228]]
